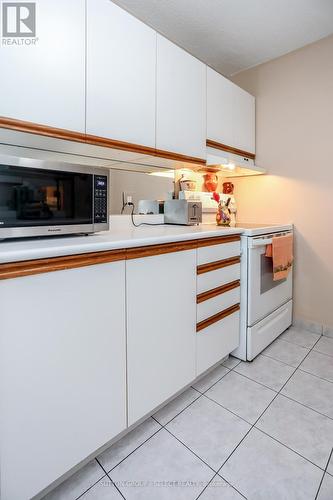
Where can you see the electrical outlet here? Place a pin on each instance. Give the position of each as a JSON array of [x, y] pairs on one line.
[[127, 197]]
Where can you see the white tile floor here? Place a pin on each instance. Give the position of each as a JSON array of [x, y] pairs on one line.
[[260, 430]]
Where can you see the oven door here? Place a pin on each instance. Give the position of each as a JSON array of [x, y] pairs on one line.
[[264, 294]]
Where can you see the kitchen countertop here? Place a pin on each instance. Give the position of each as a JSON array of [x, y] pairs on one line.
[[119, 236]]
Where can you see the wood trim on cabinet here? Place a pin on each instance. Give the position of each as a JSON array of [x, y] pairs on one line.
[[45, 130], [218, 264], [217, 317], [94, 140], [169, 155], [217, 291], [229, 149], [151, 250], [40, 266], [217, 240]]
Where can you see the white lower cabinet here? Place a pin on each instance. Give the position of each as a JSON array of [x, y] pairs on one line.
[[161, 328], [217, 341], [86, 352], [62, 372], [217, 277]]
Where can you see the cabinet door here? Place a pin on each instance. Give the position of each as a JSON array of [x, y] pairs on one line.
[[43, 82], [62, 372], [121, 75], [161, 336], [220, 108], [181, 101], [244, 120], [230, 113]]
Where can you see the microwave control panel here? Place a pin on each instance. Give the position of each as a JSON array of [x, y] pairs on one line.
[[100, 199]]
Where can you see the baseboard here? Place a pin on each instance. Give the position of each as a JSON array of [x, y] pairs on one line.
[[313, 327], [310, 326]]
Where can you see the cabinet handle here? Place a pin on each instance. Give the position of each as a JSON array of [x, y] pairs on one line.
[[217, 291], [217, 317], [218, 264]]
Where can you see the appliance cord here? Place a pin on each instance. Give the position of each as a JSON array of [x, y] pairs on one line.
[[142, 223]]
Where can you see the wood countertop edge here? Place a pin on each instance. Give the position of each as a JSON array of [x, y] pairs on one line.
[[10, 270]]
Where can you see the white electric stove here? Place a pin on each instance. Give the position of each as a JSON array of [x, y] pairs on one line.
[[266, 305]]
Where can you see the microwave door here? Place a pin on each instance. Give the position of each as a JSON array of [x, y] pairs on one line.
[[264, 294], [31, 197]]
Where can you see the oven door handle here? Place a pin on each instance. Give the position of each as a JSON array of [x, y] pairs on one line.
[[261, 242]]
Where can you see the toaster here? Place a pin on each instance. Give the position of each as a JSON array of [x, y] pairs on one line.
[[183, 212]]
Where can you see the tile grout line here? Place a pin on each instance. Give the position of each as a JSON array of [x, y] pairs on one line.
[[283, 362], [227, 409], [161, 427], [211, 481], [189, 449], [291, 449], [145, 441], [202, 393], [181, 411], [323, 353], [317, 376], [253, 426], [298, 345], [99, 463], [260, 383], [264, 432], [217, 473], [87, 489], [305, 406], [325, 471], [201, 459]]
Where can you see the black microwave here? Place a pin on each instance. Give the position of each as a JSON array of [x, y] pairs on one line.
[[41, 198]]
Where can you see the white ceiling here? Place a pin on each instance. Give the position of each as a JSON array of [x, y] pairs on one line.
[[232, 35]]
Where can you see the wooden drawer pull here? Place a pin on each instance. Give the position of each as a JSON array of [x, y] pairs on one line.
[[218, 264], [217, 317], [218, 240], [217, 291]]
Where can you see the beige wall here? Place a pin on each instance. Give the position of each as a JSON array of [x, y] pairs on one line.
[[294, 141], [138, 184]]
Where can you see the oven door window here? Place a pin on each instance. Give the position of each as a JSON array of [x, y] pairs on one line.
[[266, 275], [264, 294], [38, 197]]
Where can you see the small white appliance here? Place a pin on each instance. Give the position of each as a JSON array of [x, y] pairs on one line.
[[266, 305], [148, 207], [209, 205], [182, 212]]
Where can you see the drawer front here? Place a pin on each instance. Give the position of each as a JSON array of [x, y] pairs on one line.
[[263, 333], [218, 277], [212, 306], [218, 252], [217, 341]]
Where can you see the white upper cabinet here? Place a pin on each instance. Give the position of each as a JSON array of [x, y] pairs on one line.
[[181, 101], [121, 75], [220, 108], [44, 82], [244, 120], [230, 113]]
